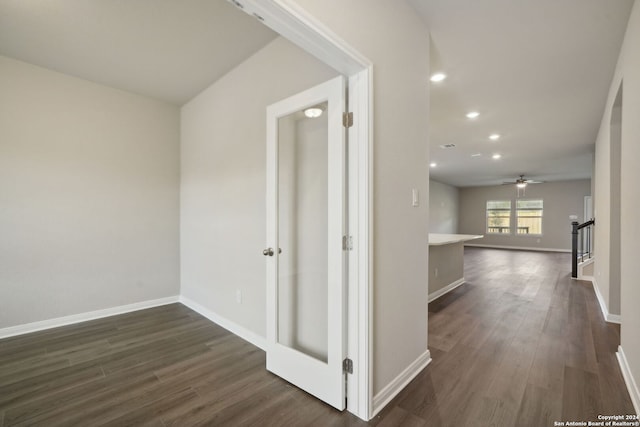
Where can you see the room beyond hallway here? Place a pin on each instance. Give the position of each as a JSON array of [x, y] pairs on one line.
[[519, 344]]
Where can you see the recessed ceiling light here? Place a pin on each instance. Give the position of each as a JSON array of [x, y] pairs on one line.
[[476, 155], [313, 112], [433, 164], [472, 114], [445, 146], [496, 156], [494, 136], [438, 77]]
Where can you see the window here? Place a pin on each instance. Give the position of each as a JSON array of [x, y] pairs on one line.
[[498, 216], [529, 216]]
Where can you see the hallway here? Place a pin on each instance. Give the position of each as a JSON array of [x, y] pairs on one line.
[[519, 344]]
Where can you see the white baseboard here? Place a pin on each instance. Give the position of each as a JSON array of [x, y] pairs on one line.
[[519, 248], [614, 318], [451, 286], [83, 317], [234, 328], [632, 386], [392, 389], [611, 318], [581, 266]]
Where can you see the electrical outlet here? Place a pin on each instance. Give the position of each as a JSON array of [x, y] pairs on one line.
[[239, 296]]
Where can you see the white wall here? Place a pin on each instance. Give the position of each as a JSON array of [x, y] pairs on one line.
[[392, 36], [630, 199], [443, 208], [602, 206], [88, 196], [223, 227], [628, 73], [561, 199], [615, 213]]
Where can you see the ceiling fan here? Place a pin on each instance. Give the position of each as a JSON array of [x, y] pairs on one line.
[[521, 182]]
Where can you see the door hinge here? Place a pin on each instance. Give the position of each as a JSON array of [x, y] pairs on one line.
[[347, 366], [347, 243], [347, 120]]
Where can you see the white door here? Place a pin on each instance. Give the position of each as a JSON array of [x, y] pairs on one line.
[[306, 214]]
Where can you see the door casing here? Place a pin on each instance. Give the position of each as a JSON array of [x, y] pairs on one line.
[[295, 24]]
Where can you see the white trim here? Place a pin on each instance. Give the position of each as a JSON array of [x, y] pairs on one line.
[[611, 318], [614, 318], [520, 248], [601, 303], [234, 328], [581, 267], [451, 286], [83, 317], [358, 336], [294, 23], [392, 389], [632, 386], [298, 26]]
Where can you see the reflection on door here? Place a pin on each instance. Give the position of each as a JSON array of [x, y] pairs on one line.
[[302, 230]]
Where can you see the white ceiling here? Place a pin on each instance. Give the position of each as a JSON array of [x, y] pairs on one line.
[[166, 49], [538, 71]]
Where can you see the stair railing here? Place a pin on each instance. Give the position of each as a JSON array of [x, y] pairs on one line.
[[581, 243]]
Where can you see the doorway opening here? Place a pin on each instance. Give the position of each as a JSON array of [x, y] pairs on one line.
[[294, 24]]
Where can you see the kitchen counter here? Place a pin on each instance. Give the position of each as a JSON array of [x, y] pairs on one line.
[[436, 239], [446, 262]]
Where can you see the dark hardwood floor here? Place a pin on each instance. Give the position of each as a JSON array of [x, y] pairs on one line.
[[520, 344]]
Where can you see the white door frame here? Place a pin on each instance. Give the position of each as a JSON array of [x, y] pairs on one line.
[[295, 24]]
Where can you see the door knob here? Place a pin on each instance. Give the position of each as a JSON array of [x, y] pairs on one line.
[[268, 252]]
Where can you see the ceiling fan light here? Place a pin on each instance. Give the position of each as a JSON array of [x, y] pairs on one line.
[[521, 184]]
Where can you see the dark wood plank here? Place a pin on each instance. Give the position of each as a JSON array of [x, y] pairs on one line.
[[213, 398], [50, 382], [402, 417], [538, 408], [52, 406], [519, 344], [581, 395], [148, 412]]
